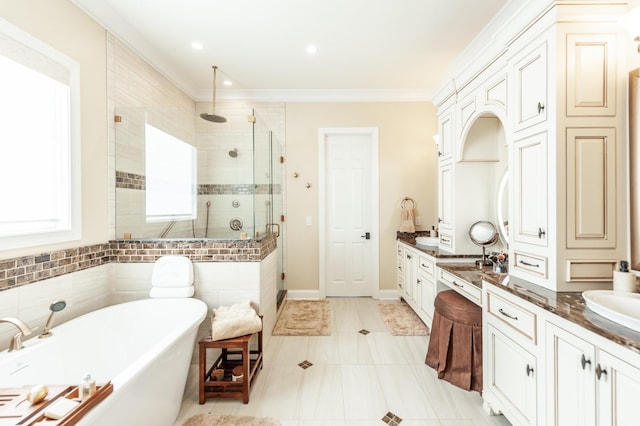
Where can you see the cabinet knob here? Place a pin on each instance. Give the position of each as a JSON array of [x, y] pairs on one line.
[[584, 361], [600, 371], [529, 370], [408, 256], [540, 107], [541, 233]]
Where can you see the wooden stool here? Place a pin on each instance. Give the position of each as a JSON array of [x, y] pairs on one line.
[[235, 352]]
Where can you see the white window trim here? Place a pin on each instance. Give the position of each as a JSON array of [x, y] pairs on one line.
[[75, 176]]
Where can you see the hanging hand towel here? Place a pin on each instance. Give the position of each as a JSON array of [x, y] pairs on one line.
[[407, 216]]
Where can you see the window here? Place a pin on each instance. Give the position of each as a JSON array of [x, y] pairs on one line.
[[170, 165], [39, 158]]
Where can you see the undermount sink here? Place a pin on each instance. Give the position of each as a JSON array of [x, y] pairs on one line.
[[618, 306], [427, 241]]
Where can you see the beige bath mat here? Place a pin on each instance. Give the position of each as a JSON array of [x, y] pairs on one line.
[[304, 318], [228, 420], [401, 320]]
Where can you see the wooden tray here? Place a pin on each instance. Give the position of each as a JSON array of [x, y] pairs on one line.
[[16, 410]]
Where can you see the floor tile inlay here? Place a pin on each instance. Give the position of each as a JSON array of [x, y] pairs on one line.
[[305, 364], [391, 419]]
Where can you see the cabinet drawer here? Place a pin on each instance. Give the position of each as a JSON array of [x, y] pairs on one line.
[[427, 266], [514, 315], [466, 289], [530, 263], [446, 241]]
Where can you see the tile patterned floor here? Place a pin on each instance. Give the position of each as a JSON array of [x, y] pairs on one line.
[[354, 378]]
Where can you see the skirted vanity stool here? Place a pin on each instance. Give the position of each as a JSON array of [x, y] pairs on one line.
[[455, 345]]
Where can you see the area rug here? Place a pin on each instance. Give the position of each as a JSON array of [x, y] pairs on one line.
[[401, 320], [228, 420], [304, 318]]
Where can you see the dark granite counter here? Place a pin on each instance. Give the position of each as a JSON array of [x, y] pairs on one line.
[[410, 239], [568, 305]]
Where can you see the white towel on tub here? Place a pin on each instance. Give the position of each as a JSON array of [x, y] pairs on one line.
[[178, 292], [234, 321], [172, 271]]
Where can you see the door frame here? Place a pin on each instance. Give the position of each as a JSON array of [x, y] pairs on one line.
[[323, 133]]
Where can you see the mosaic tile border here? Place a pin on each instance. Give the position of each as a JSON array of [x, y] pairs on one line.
[[135, 181], [29, 269], [130, 181]]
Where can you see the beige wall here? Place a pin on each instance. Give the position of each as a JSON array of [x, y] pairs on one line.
[[407, 167], [61, 25]]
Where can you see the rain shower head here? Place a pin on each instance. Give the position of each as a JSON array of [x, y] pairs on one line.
[[211, 116], [233, 153]]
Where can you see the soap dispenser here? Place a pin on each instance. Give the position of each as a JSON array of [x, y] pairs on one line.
[[624, 280], [87, 387]]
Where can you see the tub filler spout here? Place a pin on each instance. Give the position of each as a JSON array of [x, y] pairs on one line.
[[16, 340]]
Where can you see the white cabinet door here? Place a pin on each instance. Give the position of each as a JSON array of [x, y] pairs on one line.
[[410, 266], [530, 190], [445, 135], [427, 296], [445, 196], [530, 74], [512, 377], [571, 362], [618, 390]]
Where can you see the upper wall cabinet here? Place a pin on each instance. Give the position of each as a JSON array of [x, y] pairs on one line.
[[530, 88]]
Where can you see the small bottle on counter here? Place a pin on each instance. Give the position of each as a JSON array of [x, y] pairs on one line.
[[433, 233], [87, 387]]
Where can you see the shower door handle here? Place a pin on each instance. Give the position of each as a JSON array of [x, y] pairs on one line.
[[270, 228], [366, 236]]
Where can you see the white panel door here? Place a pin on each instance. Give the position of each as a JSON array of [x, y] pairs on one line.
[[350, 232]]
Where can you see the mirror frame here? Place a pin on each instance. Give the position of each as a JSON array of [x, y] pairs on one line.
[[503, 188]]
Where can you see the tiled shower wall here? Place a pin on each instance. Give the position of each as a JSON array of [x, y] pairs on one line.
[[138, 92]]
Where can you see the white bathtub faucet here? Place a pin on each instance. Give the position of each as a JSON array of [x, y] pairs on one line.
[[16, 340]]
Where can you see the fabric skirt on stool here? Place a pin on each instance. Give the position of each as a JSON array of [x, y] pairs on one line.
[[455, 345]]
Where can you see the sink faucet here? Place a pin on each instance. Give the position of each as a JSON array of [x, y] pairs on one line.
[[16, 340]]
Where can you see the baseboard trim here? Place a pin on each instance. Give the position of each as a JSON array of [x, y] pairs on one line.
[[388, 295], [304, 294]]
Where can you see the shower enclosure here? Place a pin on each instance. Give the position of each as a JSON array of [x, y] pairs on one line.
[[227, 185]]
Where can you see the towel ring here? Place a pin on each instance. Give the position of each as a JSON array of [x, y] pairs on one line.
[[405, 200]]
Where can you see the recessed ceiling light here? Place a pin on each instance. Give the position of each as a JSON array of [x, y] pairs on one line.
[[227, 83], [196, 45], [312, 49]]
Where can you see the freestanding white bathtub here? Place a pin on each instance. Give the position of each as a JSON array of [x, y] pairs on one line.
[[144, 348]]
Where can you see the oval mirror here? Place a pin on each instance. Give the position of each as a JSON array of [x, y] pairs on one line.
[[483, 234]]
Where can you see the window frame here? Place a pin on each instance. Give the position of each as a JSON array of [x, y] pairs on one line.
[[74, 178]]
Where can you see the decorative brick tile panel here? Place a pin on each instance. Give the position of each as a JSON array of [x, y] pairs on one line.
[[29, 269]]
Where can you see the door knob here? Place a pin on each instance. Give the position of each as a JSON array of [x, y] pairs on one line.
[[366, 236]]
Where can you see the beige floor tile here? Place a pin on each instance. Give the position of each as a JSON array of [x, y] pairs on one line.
[[355, 379]]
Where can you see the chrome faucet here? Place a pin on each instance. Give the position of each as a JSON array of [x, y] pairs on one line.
[[16, 340]]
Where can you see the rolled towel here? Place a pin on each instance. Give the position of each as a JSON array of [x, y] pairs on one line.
[[178, 292], [233, 321], [172, 271]]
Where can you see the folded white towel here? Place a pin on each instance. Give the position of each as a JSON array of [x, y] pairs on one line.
[[178, 292], [172, 271], [233, 321]]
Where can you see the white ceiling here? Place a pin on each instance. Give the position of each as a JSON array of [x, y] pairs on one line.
[[368, 49]]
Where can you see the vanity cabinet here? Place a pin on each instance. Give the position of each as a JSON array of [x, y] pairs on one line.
[[592, 386], [416, 281], [512, 362]]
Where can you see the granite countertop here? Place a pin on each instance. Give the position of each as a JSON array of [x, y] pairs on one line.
[[410, 239], [568, 305]]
